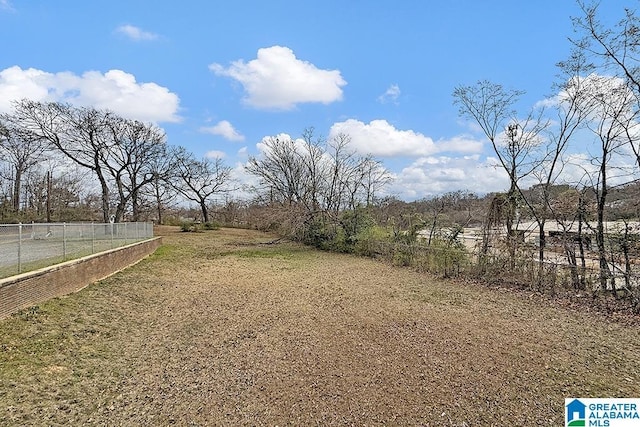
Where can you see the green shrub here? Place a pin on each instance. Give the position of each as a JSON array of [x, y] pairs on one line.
[[353, 225], [211, 225], [403, 254], [443, 257], [372, 241], [319, 233], [189, 226]]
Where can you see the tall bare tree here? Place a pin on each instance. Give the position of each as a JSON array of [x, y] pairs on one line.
[[569, 117], [374, 178], [281, 170], [80, 133], [136, 152], [532, 147], [611, 105], [159, 193], [516, 142], [199, 180]]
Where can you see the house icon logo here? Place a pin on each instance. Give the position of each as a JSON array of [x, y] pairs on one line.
[[576, 414]]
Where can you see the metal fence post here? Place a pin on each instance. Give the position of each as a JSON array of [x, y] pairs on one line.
[[20, 248], [93, 238], [64, 241]]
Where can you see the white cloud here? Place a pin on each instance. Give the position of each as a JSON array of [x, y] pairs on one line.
[[460, 144], [215, 154], [246, 182], [263, 145], [391, 95], [135, 33], [277, 80], [114, 90], [382, 139], [224, 129], [16, 84], [430, 176]]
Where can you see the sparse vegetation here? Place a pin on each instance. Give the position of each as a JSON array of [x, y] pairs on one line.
[[235, 327]]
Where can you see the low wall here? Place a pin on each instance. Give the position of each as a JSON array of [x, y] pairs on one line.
[[28, 289]]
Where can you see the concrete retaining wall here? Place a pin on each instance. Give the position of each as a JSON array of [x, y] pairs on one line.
[[28, 289]]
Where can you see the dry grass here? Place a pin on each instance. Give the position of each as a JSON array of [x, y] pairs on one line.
[[219, 329]]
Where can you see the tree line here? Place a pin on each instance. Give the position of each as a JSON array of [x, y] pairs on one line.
[[55, 152], [63, 162]]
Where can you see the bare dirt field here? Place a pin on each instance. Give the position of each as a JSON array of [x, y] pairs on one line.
[[219, 328]]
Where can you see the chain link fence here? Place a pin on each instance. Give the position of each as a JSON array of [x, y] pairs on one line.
[[26, 247]]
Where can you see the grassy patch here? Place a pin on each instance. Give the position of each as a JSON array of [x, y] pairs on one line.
[[279, 253], [164, 251]]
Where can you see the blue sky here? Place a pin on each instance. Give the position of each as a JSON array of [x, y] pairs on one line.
[[220, 76]]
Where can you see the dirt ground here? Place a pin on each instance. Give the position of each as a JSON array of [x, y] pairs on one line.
[[221, 328]]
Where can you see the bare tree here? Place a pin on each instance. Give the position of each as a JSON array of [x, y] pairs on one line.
[[199, 180], [569, 117], [80, 133], [374, 177], [344, 177], [22, 149], [611, 107], [159, 192], [531, 147], [136, 151], [317, 181], [313, 157], [281, 170], [615, 95], [516, 142], [491, 106]]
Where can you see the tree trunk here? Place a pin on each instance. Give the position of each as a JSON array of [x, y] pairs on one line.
[[205, 211], [510, 220], [17, 183], [105, 198], [600, 238], [48, 203], [135, 208], [543, 242]]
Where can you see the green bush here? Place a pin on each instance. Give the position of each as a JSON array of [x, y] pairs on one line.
[[319, 233], [372, 241], [189, 226], [443, 257], [353, 225], [403, 254], [211, 225]]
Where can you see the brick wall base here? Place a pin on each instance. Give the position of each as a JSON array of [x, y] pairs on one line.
[[28, 289]]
